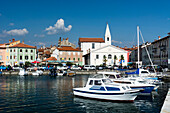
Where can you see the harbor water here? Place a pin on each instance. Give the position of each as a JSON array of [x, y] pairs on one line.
[[54, 94]]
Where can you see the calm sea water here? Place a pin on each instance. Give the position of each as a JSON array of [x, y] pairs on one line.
[[54, 94]]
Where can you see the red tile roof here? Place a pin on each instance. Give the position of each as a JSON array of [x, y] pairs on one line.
[[21, 45], [50, 59], [91, 40], [47, 52], [68, 48]]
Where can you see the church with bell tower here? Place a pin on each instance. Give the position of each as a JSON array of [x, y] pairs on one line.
[[95, 49]]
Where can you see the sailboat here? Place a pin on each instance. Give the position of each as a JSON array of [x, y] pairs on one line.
[[144, 73]]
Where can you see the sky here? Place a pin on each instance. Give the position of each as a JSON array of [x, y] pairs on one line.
[[43, 22]]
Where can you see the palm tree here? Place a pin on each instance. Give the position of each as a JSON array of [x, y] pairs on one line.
[[121, 58], [104, 59], [115, 58]]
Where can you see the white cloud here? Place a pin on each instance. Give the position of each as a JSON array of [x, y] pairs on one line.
[[39, 36], [15, 32], [0, 14], [41, 43], [117, 42], [11, 24], [58, 28], [168, 19]]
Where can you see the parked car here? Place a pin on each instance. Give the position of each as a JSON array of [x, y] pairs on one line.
[[74, 67], [89, 67], [16, 68], [115, 67], [109, 67]]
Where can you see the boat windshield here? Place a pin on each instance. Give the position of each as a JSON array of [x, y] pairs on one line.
[[98, 76], [106, 81]]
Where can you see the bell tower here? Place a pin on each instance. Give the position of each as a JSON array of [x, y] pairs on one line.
[[107, 36]]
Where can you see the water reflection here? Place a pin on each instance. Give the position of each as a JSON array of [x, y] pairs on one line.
[[92, 106], [54, 94]]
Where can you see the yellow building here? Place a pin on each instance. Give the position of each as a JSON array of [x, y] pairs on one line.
[[7, 55]]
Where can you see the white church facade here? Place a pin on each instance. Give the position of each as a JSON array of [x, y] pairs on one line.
[[95, 49]]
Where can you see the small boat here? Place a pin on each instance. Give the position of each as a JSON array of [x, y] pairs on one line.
[[22, 72], [70, 73], [61, 73], [101, 87], [37, 72], [131, 82]]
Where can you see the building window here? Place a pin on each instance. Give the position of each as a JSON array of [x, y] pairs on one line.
[[26, 57], [73, 58], [109, 56], [10, 57], [31, 51], [11, 50], [26, 50], [31, 57], [65, 58], [69, 53], [20, 50], [7, 57], [20, 57], [73, 53], [14, 50], [107, 38], [78, 59], [97, 56], [93, 45], [14, 57], [60, 59], [68, 58]]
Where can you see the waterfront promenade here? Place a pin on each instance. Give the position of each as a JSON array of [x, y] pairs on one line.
[[166, 105]]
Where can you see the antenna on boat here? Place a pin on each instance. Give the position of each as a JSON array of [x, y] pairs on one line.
[[138, 43]]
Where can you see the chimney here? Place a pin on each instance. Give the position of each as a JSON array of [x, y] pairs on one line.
[[13, 40], [159, 37], [9, 41], [169, 34], [23, 42], [125, 47]]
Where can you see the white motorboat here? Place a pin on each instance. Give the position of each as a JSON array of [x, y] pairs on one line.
[[22, 72], [101, 87], [131, 82]]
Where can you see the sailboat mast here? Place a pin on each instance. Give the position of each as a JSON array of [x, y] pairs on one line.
[[138, 43]]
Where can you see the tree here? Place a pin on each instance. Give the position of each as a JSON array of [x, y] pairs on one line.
[[115, 58], [28, 64], [104, 59], [121, 59]]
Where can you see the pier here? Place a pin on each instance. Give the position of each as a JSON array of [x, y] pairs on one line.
[[166, 105]]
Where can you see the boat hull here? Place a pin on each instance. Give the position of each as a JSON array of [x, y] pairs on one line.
[[147, 89], [106, 95]]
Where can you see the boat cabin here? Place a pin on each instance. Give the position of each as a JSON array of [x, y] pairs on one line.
[[102, 83]]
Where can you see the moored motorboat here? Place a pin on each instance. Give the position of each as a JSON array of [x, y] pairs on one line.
[[131, 82], [23, 72], [100, 87]]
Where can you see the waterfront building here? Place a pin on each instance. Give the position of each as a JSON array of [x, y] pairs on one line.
[[2, 54], [68, 53], [95, 49], [65, 42], [45, 52], [158, 51], [20, 53], [5, 53]]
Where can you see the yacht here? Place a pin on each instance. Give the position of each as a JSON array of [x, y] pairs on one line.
[[101, 87]]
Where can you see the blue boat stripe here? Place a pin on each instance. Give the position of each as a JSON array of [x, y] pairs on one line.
[[104, 93]]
